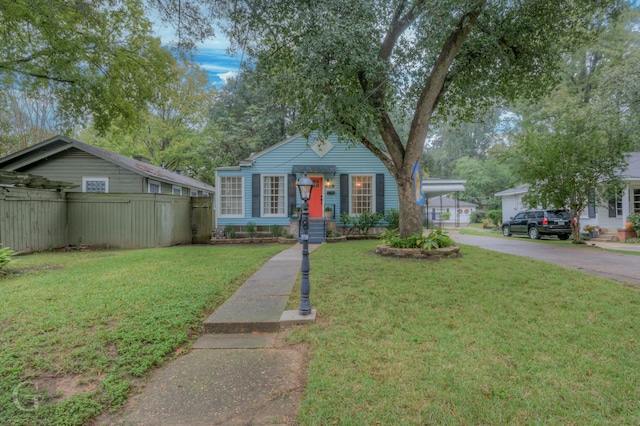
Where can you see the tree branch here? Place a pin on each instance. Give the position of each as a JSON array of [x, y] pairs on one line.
[[432, 91]]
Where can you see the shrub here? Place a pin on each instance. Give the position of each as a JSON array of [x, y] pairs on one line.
[[495, 216], [230, 231], [251, 229], [276, 230], [347, 223], [366, 220], [392, 217], [477, 216], [435, 239], [445, 215], [6, 257], [635, 222]]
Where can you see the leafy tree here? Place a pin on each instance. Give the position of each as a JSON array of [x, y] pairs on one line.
[[575, 141], [573, 163], [96, 57], [350, 66], [172, 131], [484, 179]]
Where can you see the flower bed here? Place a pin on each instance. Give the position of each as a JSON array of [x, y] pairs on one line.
[[416, 253]]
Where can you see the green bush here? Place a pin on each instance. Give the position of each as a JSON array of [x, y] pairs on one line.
[[435, 239], [635, 222], [251, 229], [495, 216], [445, 215], [276, 230], [346, 221], [477, 216], [366, 220], [230, 231], [392, 217], [6, 257]]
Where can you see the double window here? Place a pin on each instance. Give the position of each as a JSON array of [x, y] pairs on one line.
[[231, 196], [362, 192], [95, 184], [274, 194], [176, 190]]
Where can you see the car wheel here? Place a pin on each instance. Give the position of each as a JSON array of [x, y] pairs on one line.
[[506, 231], [533, 233], [564, 237]]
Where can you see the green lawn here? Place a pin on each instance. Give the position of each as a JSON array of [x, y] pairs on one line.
[[485, 339], [105, 319]]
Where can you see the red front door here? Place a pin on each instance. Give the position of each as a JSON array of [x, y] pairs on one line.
[[315, 203]]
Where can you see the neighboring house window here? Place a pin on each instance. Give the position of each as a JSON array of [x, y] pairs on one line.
[[231, 196], [154, 187], [193, 193], [95, 184], [274, 194], [205, 194], [361, 194], [176, 190], [615, 207]]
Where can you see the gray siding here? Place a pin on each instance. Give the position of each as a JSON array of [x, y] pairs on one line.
[[32, 220], [348, 159], [73, 164]]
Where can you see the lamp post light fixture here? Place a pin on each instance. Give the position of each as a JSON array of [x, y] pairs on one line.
[[305, 186]]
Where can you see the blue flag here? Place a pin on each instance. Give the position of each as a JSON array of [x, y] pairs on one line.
[[417, 185]]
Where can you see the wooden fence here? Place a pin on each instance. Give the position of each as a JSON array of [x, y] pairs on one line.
[[102, 220]]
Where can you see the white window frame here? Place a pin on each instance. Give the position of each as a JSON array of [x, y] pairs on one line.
[[154, 182], [86, 179], [373, 192], [205, 194], [193, 193], [176, 190], [263, 213], [219, 180]]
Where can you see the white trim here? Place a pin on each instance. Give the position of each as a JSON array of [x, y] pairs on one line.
[[218, 195], [205, 194], [154, 182], [373, 191], [193, 193], [176, 188], [262, 195], [86, 179]]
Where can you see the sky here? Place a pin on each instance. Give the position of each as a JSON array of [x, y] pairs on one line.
[[211, 55]]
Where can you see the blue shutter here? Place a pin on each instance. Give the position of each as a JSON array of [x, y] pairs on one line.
[[380, 193], [344, 193], [255, 195], [291, 182]]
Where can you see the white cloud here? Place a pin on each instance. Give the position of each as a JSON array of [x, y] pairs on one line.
[[227, 75]]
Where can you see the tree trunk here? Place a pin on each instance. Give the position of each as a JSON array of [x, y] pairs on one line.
[[410, 212]]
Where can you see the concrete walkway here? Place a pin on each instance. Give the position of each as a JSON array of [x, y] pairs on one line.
[[240, 375]]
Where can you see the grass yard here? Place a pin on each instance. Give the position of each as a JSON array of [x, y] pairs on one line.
[[485, 339], [104, 319]]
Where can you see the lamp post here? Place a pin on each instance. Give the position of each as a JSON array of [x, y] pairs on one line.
[[305, 186]]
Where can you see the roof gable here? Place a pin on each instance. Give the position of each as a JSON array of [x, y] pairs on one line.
[[59, 144]]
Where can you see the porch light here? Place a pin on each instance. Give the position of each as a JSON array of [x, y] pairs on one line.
[[305, 185]]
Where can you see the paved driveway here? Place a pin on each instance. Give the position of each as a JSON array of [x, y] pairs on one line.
[[617, 266]]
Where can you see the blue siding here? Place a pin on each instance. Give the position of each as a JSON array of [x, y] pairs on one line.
[[297, 151]]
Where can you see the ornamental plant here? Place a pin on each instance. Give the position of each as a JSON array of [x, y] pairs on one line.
[[6, 257], [435, 239], [635, 222]]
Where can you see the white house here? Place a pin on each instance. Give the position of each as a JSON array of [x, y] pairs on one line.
[[610, 215], [459, 211]]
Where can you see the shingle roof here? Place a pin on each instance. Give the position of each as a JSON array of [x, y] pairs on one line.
[[449, 202], [140, 167]]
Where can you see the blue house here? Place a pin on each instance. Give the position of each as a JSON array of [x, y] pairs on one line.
[[262, 189]]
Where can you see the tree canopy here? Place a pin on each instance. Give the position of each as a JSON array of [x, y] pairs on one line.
[[96, 57], [358, 67]]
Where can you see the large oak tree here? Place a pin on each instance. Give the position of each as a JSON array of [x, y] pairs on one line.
[[361, 68]]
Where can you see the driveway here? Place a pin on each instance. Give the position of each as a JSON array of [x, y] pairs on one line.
[[592, 260]]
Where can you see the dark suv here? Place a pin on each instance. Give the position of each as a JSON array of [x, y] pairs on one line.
[[536, 223]]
